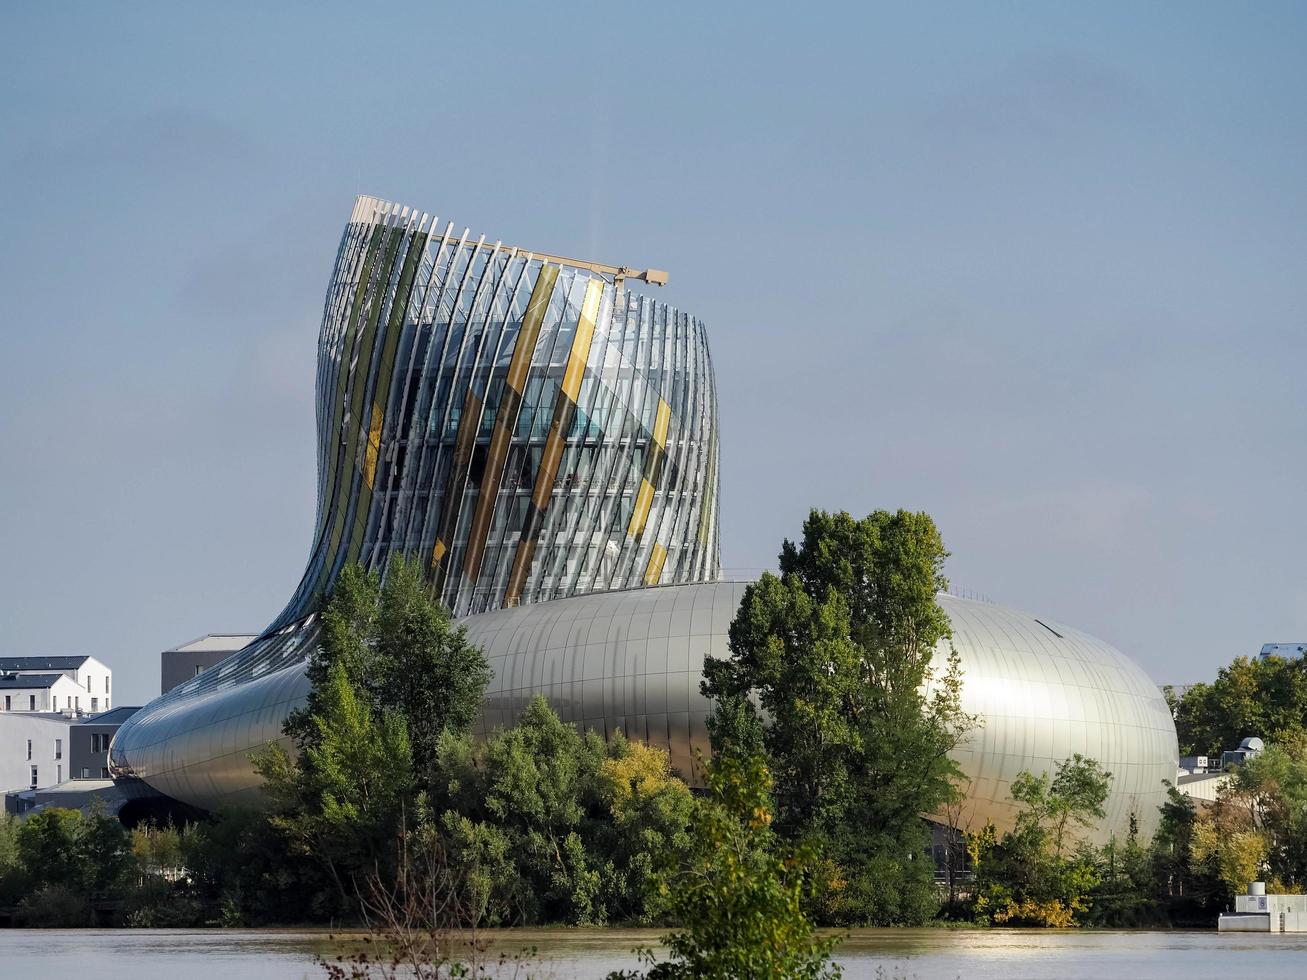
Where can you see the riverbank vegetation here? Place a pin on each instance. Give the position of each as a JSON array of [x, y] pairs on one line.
[[834, 719]]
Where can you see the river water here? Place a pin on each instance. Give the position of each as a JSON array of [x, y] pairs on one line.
[[927, 954]]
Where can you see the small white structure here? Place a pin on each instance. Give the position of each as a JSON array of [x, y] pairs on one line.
[[1260, 912], [1203, 786], [76, 684]]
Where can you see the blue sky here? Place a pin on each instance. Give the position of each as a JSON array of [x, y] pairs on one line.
[[1035, 269]]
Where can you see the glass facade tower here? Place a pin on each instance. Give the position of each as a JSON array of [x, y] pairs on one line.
[[524, 424], [529, 426]]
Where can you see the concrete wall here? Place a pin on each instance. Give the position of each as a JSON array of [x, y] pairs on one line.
[[49, 735], [83, 754], [96, 683]]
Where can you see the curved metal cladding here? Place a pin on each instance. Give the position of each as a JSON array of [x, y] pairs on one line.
[[633, 660], [525, 424]]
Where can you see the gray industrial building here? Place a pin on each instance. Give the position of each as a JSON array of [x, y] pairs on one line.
[[181, 663]]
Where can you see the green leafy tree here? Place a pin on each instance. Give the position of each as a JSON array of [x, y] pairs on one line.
[[649, 811], [554, 826], [66, 860], [833, 673], [47, 847], [1262, 697], [102, 848], [1125, 894], [1266, 800], [738, 892], [1071, 798], [1037, 873], [243, 871], [1190, 893], [399, 651], [390, 678], [343, 799], [11, 867]]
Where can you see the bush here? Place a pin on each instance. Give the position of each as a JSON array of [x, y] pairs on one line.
[[54, 907]]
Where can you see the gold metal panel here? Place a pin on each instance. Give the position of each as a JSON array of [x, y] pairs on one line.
[[374, 446], [585, 328], [643, 500], [661, 421], [657, 558]]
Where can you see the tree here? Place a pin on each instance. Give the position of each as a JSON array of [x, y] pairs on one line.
[[102, 849], [428, 671], [737, 892], [11, 866], [1237, 856], [1271, 788], [342, 801], [550, 825], [390, 678], [1263, 697], [650, 811], [1072, 797], [47, 847], [399, 651], [833, 674], [1029, 875], [1193, 895]]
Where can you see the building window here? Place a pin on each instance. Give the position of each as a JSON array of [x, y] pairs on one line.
[[86, 773], [58, 774], [54, 702], [58, 748], [8, 705], [95, 704], [88, 683], [199, 669], [78, 703], [34, 777], [29, 750], [95, 741], [106, 683], [31, 702]]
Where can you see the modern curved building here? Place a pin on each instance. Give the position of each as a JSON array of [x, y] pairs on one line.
[[1043, 691], [545, 439], [523, 422]]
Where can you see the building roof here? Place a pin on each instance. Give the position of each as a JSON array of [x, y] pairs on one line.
[[215, 643], [42, 663], [1283, 649], [114, 716], [27, 681]]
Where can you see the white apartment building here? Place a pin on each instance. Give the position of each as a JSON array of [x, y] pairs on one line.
[[76, 684]]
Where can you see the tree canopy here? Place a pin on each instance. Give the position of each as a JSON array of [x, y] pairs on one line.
[[1266, 698], [834, 675]]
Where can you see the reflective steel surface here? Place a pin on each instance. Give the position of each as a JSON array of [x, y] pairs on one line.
[[1042, 691], [633, 661]]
